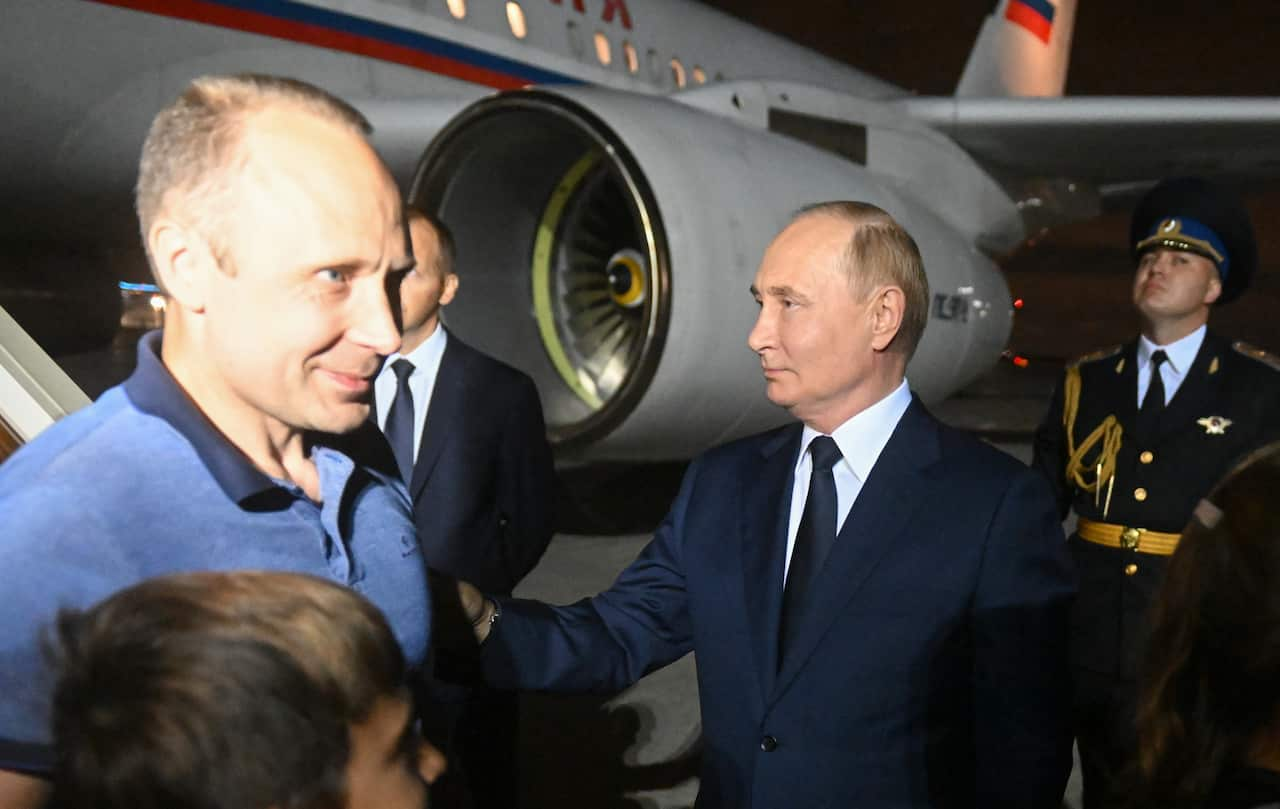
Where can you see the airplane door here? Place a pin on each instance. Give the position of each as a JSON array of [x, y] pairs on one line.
[[34, 391]]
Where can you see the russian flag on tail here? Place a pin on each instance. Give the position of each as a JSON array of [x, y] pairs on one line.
[[1034, 15]]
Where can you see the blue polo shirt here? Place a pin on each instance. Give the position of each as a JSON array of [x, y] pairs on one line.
[[141, 484]]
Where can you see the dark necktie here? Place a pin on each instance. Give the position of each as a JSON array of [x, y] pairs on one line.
[[399, 428], [814, 539], [1153, 403]]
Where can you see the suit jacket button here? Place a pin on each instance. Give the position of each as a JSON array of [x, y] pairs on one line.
[[1139, 494], [768, 744], [1130, 569], [1147, 457]]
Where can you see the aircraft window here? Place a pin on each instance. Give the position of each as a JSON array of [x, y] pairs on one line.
[[677, 72], [458, 8], [699, 75], [515, 18], [633, 59], [603, 51]]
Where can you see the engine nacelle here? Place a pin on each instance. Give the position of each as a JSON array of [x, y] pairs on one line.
[[607, 243]]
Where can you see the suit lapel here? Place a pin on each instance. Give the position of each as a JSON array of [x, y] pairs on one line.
[[889, 497], [446, 400], [766, 506]]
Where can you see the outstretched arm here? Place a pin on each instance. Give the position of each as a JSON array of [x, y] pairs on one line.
[[601, 644]]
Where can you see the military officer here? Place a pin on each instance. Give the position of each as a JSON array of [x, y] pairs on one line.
[[1137, 434]]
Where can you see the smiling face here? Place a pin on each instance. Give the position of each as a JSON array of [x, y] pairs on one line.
[[813, 336], [1173, 289], [298, 316]]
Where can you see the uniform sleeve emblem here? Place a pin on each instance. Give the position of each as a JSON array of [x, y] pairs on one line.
[[1214, 425]]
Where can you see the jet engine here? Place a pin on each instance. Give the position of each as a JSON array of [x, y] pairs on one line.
[[606, 246]]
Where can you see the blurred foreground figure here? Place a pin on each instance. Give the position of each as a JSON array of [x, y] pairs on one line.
[[1209, 704], [242, 690], [1137, 434], [277, 236]]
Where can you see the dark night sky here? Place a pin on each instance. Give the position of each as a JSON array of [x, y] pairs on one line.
[[1076, 282], [1120, 47]]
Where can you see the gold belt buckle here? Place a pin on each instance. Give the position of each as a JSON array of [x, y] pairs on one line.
[[1129, 538]]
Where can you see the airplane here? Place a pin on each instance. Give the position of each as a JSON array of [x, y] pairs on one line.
[[612, 171]]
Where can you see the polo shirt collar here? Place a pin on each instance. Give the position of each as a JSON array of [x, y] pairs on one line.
[[154, 391]]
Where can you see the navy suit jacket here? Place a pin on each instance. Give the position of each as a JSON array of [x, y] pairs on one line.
[[932, 673], [483, 483]]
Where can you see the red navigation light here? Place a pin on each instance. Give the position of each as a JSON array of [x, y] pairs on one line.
[[1017, 303], [1020, 361]]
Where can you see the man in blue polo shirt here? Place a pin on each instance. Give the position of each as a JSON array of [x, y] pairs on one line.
[[275, 233]]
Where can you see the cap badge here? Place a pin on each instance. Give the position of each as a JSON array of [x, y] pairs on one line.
[[1214, 425], [1170, 226]]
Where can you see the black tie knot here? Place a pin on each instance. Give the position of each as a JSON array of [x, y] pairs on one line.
[[1153, 403], [403, 369], [824, 452]]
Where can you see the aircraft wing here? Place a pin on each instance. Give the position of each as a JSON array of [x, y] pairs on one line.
[[1111, 141]]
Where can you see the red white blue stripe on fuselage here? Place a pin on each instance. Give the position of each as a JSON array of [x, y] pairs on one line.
[[324, 28], [1034, 15]]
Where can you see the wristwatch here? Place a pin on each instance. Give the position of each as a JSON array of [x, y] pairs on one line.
[[493, 617]]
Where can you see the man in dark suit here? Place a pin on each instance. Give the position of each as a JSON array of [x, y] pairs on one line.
[[1137, 434], [877, 602], [468, 436]]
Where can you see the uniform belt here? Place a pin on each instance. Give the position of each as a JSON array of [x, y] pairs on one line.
[[1128, 538]]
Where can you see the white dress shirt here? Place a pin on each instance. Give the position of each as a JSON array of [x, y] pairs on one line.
[[426, 366], [861, 440], [1181, 354]]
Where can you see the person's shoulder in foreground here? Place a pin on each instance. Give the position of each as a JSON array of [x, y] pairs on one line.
[[1209, 673]]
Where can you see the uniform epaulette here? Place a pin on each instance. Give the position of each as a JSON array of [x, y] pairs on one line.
[[1094, 356], [1253, 352]]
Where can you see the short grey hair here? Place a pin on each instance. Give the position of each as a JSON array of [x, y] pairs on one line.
[[192, 153], [880, 253]]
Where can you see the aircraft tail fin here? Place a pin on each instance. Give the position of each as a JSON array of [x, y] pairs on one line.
[[1022, 50]]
